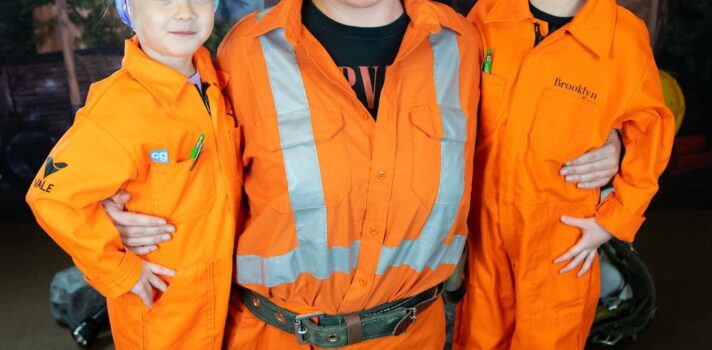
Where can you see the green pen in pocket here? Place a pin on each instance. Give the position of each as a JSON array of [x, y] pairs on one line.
[[487, 64], [197, 149]]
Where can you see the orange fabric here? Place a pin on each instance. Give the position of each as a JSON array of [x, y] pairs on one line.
[[542, 107], [147, 106], [378, 189]]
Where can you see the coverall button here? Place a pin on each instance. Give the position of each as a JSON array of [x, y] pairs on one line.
[[381, 175], [373, 231], [362, 281], [280, 318], [256, 303]]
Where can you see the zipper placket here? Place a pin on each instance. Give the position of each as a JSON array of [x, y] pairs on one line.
[[204, 96], [537, 34]]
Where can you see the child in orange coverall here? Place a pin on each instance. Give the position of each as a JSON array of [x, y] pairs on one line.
[[160, 129], [558, 76]]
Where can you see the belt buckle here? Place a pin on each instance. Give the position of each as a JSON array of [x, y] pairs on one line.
[[299, 331]]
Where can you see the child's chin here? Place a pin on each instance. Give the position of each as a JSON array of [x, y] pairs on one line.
[[182, 50]]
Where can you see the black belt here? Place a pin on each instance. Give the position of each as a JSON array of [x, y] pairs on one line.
[[333, 331]]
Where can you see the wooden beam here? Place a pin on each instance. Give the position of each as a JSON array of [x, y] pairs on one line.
[[63, 27]]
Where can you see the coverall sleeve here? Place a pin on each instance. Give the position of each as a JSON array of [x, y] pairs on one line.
[[86, 166], [648, 133]]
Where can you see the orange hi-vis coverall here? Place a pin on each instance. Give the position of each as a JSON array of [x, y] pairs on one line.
[[541, 107], [347, 213], [136, 133]]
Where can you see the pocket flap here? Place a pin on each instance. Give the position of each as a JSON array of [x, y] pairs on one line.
[[426, 119], [565, 125], [440, 122]]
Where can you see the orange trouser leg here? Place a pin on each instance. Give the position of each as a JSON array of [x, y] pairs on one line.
[[125, 320], [517, 299], [189, 315], [485, 319], [554, 311], [246, 332]]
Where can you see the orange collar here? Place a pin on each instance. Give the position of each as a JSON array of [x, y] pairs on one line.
[[593, 25], [163, 82], [287, 14]]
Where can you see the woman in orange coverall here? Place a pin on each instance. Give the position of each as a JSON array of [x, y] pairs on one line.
[[546, 97], [158, 128]]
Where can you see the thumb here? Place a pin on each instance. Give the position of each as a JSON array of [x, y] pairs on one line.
[[122, 197], [574, 222], [117, 201]]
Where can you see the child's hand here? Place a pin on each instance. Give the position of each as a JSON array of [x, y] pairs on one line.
[[585, 250], [149, 280]]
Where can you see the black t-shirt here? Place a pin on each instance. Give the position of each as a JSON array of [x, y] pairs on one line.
[[554, 22], [361, 53]]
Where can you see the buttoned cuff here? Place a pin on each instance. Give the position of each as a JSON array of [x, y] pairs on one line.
[[615, 218], [120, 281]]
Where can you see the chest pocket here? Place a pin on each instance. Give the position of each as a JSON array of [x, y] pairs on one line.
[[438, 154], [493, 88], [181, 194], [565, 126], [312, 146]]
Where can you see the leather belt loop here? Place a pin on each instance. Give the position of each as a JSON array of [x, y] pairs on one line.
[[353, 328]]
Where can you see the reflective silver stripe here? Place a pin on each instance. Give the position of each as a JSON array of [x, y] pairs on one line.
[[429, 250], [301, 162]]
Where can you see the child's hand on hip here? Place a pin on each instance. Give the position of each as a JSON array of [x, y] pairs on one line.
[[149, 280], [593, 235]]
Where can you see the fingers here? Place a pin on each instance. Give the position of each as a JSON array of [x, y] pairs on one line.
[[145, 293], [143, 231], [582, 223], [136, 240], [587, 263], [143, 240], [614, 138], [592, 156], [125, 218], [593, 184], [117, 201], [142, 250], [576, 261], [573, 173], [588, 157], [605, 175], [161, 270], [157, 283], [574, 251]]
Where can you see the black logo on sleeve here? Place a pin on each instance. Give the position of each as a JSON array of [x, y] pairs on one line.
[[50, 168]]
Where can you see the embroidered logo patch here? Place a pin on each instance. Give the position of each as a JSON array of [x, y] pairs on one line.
[[159, 156]]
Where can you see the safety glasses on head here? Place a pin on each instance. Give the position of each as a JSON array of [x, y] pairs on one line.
[[122, 6]]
